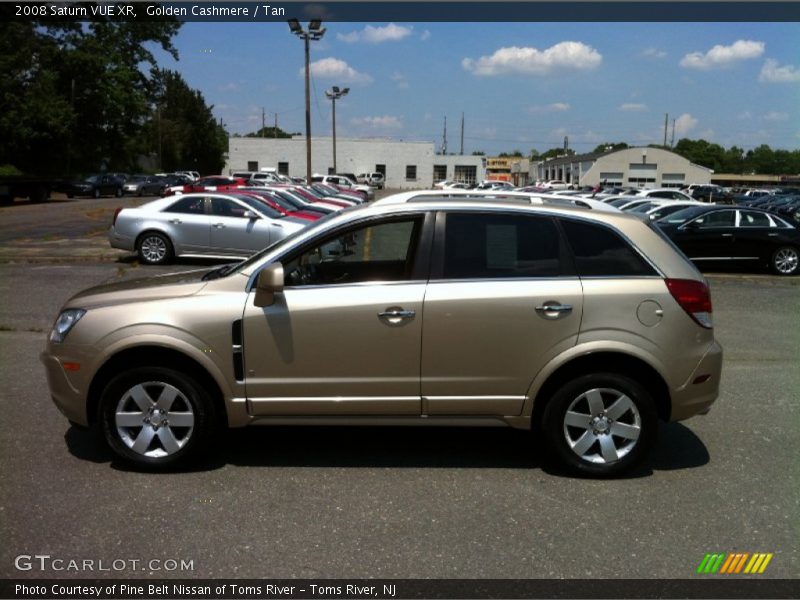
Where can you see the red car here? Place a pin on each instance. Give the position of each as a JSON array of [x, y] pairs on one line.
[[214, 183], [282, 206]]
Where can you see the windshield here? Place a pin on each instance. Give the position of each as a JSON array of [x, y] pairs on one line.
[[289, 238], [643, 208]]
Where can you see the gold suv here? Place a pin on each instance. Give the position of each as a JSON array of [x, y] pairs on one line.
[[584, 326]]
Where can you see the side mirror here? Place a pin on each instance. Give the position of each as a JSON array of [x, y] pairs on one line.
[[268, 283], [249, 214]]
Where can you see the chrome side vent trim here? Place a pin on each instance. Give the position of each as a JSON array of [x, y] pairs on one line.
[[238, 358]]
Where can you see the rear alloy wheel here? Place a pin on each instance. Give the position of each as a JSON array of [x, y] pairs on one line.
[[154, 248], [118, 193], [96, 193], [156, 418], [601, 424], [786, 261]]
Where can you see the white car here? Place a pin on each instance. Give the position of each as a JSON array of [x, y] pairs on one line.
[[663, 194], [491, 184], [555, 184], [344, 182], [206, 224]]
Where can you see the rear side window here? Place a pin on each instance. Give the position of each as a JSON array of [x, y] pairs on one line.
[[601, 252], [487, 246], [192, 205]]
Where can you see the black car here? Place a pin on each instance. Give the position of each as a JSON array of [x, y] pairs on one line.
[[96, 186], [722, 235]]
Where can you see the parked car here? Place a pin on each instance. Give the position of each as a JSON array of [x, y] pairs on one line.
[[658, 209], [526, 316], [491, 184], [374, 179], [214, 183], [96, 186], [721, 235], [199, 225], [555, 184], [140, 185], [343, 183]]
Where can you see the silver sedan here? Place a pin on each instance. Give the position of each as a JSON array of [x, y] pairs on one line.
[[223, 225]]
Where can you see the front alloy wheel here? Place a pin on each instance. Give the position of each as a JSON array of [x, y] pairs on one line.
[[600, 424], [155, 417], [786, 261]]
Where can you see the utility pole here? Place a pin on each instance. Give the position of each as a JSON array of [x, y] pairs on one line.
[[158, 113], [263, 124], [314, 33], [333, 95], [275, 129], [444, 137], [461, 151], [672, 140], [666, 122], [566, 143]]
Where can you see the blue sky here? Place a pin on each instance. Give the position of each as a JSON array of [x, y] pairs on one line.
[[520, 85]]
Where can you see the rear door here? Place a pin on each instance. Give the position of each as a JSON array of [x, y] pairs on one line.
[[188, 223], [502, 302]]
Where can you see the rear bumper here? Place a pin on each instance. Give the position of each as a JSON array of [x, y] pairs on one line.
[[698, 394], [122, 242]]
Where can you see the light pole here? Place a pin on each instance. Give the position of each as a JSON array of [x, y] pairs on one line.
[[314, 33], [333, 95]]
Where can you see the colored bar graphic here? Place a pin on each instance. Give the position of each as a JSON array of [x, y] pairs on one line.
[[735, 563]]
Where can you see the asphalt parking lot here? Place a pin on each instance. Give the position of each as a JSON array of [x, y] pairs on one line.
[[416, 503]]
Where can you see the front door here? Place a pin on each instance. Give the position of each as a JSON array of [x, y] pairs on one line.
[[344, 336], [233, 232]]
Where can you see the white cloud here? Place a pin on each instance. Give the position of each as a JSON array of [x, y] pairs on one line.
[[555, 107], [632, 107], [400, 80], [745, 116], [531, 61], [775, 116], [771, 72], [723, 56], [684, 124], [334, 68], [376, 35], [425, 35], [384, 122], [654, 53]]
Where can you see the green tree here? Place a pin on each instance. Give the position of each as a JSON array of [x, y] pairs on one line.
[[554, 152], [75, 95], [270, 132], [701, 152], [182, 128]]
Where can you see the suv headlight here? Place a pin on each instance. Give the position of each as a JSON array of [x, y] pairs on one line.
[[65, 322]]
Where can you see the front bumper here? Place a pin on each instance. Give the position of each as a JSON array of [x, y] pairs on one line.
[[696, 398], [65, 389]]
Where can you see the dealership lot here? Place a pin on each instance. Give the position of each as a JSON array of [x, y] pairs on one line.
[[335, 502]]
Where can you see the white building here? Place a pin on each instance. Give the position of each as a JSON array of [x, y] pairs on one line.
[[405, 165], [637, 167]]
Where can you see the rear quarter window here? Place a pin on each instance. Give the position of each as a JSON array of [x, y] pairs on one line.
[[601, 252]]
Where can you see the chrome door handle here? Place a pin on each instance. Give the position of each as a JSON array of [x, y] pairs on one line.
[[553, 310], [175, 221], [396, 315], [219, 225], [727, 235]]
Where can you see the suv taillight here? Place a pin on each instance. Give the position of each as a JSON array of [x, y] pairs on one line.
[[116, 214], [693, 297]]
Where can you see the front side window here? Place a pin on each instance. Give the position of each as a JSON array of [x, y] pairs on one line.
[[192, 205], [498, 246], [222, 207], [601, 252], [713, 220], [377, 252]]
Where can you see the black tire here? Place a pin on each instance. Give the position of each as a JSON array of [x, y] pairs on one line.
[[96, 192], [597, 459], [139, 193], [190, 442], [118, 192], [785, 261], [70, 195], [154, 248]]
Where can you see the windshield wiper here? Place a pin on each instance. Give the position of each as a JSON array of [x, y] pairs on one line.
[[220, 272]]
